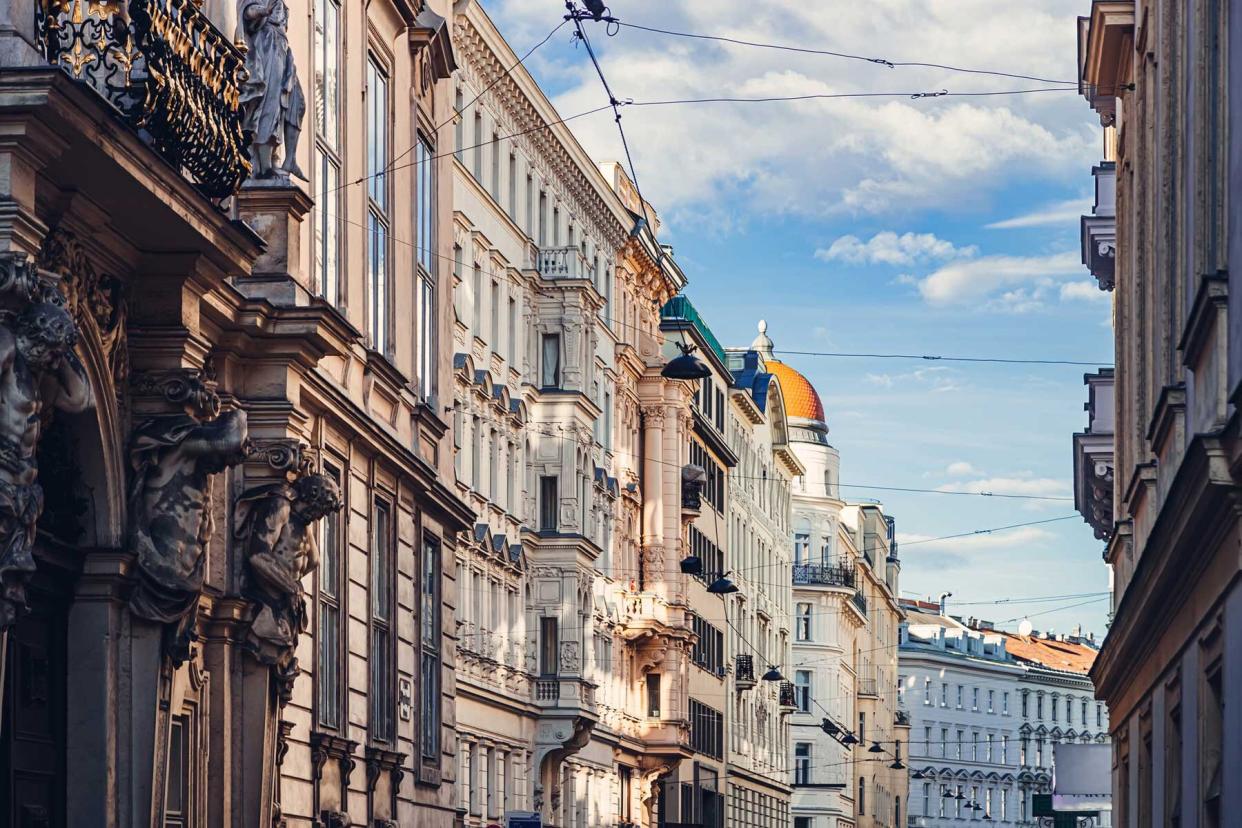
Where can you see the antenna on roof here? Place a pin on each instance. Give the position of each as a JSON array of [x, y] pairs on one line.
[[1025, 627]]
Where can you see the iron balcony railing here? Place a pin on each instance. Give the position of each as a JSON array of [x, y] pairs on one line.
[[745, 667], [788, 696], [169, 72], [859, 601], [837, 575]]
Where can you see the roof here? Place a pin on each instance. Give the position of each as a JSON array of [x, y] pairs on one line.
[[801, 398], [679, 309], [1066, 656]]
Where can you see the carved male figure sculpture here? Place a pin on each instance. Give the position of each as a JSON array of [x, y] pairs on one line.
[[272, 101], [275, 522], [37, 369], [173, 458]]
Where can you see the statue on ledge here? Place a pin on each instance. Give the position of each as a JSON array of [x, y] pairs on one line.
[[272, 101], [38, 369], [275, 522], [174, 458]]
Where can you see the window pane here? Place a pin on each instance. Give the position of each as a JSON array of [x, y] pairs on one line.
[[380, 563], [327, 71], [327, 224]]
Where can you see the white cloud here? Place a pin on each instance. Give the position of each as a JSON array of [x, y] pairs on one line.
[[889, 248], [1065, 213], [937, 379], [975, 279], [1022, 484], [709, 162], [1083, 292], [961, 468]]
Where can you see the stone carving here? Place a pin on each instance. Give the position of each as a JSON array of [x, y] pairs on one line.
[[569, 656], [272, 101], [173, 459], [38, 371], [693, 479], [274, 523], [89, 294]]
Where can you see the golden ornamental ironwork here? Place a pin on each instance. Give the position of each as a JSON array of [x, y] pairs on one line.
[[168, 70]]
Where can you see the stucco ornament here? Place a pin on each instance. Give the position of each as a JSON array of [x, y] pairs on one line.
[[275, 522], [173, 459], [38, 371], [272, 100]]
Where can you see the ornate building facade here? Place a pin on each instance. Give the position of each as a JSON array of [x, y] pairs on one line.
[[1163, 78], [234, 608]]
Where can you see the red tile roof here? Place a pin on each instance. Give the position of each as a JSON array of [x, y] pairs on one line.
[[1055, 655]]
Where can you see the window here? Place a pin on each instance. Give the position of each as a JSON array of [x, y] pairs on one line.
[[944, 694], [513, 179], [493, 335], [802, 548], [803, 631], [802, 763], [960, 734], [1212, 746], [862, 797], [431, 634], [709, 554], [1053, 707], [959, 697], [543, 219], [988, 754], [382, 673], [974, 698], [708, 651], [512, 352], [425, 332], [550, 364], [991, 701], [548, 503], [653, 695], [926, 799], [802, 690], [1005, 703], [328, 642], [862, 727], [549, 646], [1082, 719], [706, 730], [1099, 715], [1004, 750], [459, 124], [1039, 706], [326, 220], [478, 145], [378, 220], [1025, 700], [182, 771], [495, 150]]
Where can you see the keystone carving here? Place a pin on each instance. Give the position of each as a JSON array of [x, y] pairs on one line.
[[173, 459], [38, 371], [274, 523]]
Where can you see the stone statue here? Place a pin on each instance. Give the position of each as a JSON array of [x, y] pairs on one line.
[[173, 458], [38, 369], [275, 523], [272, 101]]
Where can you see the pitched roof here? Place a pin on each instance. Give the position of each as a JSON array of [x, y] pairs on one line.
[[1055, 655]]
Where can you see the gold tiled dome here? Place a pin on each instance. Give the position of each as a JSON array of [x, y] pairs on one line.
[[801, 399]]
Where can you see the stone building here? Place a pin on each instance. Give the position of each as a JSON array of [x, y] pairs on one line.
[[1163, 79], [234, 608], [986, 709]]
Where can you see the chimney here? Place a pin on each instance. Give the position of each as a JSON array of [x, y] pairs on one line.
[[944, 604]]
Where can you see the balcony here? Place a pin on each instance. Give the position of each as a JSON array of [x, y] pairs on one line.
[[860, 602], [167, 70], [565, 692], [744, 672], [1098, 231], [901, 718], [562, 263], [1093, 456], [868, 687], [832, 575], [788, 698]]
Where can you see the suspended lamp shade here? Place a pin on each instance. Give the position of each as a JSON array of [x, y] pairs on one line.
[[898, 766], [875, 748], [773, 674], [850, 739], [686, 367], [722, 586], [691, 565]]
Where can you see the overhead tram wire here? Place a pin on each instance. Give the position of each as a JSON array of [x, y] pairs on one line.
[[825, 96], [891, 64]]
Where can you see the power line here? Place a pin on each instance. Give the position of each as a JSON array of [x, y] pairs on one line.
[[941, 93], [829, 53], [938, 358]]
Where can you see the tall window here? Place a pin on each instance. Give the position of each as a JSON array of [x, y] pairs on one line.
[[803, 632], [430, 624], [328, 672], [459, 124], [478, 145], [326, 219], [512, 332], [549, 498], [549, 646], [378, 218], [802, 763], [382, 673], [513, 177], [425, 295], [550, 362], [802, 690], [802, 548], [496, 166]]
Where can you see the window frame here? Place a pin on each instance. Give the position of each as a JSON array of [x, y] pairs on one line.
[[379, 205], [337, 602], [381, 718], [431, 649]]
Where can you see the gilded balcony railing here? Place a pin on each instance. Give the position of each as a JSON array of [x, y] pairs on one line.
[[169, 72]]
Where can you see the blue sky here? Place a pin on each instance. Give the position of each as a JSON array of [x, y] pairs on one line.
[[932, 226]]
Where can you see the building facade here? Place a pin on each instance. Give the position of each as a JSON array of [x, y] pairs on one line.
[[986, 708], [1163, 79], [236, 608]]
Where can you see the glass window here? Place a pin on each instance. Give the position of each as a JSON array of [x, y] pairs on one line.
[[548, 503], [459, 124], [430, 623], [549, 646], [550, 366], [653, 695], [382, 673], [378, 220], [803, 632], [802, 763], [328, 668], [425, 204], [802, 690], [326, 218]]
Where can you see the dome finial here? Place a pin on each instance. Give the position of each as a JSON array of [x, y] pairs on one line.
[[762, 344]]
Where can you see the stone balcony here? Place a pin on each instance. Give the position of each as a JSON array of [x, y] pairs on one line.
[[562, 263], [559, 692], [1093, 456], [1099, 229]]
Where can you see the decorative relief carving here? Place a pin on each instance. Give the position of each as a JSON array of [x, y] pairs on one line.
[[274, 524], [569, 656], [38, 371], [173, 459], [88, 293]]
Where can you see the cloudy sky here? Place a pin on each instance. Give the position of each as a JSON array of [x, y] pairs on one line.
[[944, 225]]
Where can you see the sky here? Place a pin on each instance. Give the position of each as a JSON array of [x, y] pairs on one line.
[[935, 225]]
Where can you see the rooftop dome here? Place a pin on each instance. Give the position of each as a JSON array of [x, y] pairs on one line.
[[801, 399]]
